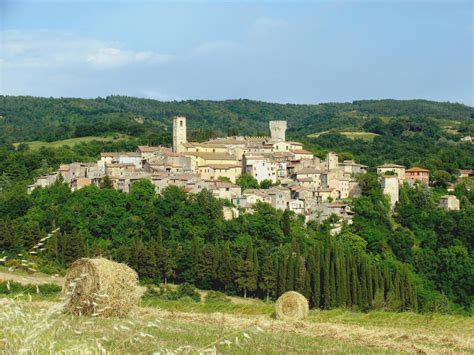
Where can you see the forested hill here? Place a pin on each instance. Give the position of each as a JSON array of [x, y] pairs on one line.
[[25, 118]]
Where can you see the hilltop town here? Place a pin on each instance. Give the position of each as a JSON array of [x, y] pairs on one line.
[[295, 179]]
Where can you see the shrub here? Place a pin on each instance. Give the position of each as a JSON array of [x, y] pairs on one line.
[[216, 296], [15, 288], [10, 287], [187, 289], [49, 289]]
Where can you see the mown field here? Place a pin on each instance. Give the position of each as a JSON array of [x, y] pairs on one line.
[[35, 324], [366, 136], [35, 145]]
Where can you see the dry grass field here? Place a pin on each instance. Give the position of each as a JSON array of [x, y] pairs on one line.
[[366, 136], [35, 324], [35, 145], [167, 327]]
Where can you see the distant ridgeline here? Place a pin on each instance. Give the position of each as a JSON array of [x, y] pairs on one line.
[[24, 118]]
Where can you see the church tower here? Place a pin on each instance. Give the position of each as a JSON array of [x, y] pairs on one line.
[[277, 130], [179, 133]]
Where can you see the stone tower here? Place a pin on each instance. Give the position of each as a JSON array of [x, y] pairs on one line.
[[390, 187], [332, 161], [179, 133], [277, 130]]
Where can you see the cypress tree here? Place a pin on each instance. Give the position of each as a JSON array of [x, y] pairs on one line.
[[316, 274], [326, 274], [268, 278], [332, 282], [72, 247], [283, 264], [363, 283], [9, 240], [290, 274], [286, 223], [225, 271], [246, 277]]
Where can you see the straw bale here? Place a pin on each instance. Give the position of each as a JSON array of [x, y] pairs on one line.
[[100, 287], [291, 306]]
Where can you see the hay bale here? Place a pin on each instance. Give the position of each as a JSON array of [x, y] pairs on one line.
[[100, 287], [291, 306]]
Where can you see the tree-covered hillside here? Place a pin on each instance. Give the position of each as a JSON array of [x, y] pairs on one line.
[[32, 118], [419, 257]]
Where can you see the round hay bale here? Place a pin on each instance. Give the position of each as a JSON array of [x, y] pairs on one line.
[[100, 287], [291, 306]]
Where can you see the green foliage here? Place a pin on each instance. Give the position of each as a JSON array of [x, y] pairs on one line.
[[247, 181], [12, 288], [188, 290], [216, 296]]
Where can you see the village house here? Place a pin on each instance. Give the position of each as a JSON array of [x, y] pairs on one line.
[[399, 170], [415, 174], [304, 184]]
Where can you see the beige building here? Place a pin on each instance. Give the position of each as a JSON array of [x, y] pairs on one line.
[[302, 154], [399, 170], [215, 171], [230, 213], [449, 202], [390, 187]]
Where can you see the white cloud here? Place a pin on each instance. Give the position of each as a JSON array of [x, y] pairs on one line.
[[48, 49], [114, 57]]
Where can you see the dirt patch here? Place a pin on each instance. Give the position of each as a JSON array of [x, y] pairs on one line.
[[34, 279]]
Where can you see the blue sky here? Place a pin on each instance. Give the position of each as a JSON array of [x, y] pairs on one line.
[[298, 52]]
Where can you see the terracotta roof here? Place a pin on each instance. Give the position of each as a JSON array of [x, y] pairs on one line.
[[220, 166], [211, 156], [417, 169], [148, 148], [310, 171], [118, 154], [301, 151], [390, 165]]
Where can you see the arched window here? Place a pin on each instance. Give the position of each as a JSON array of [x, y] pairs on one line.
[[181, 123]]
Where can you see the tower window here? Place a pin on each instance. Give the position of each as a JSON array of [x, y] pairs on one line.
[[181, 123]]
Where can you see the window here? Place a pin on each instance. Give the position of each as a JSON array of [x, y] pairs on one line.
[[181, 123]]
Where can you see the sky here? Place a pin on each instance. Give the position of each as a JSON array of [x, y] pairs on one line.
[[287, 52]]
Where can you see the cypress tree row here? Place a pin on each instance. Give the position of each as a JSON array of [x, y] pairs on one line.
[[336, 276]]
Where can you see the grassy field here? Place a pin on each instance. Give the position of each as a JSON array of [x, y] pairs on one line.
[[34, 145], [33, 326], [367, 136]]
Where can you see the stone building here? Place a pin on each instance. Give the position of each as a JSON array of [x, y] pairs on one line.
[[179, 133], [399, 170], [449, 202], [277, 130], [390, 187]]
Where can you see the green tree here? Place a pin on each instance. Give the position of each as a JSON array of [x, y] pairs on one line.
[[246, 276], [247, 181], [269, 277]]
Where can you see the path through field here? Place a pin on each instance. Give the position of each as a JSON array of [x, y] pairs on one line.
[[33, 279]]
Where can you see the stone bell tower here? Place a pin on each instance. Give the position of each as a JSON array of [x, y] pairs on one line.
[[179, 133]]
